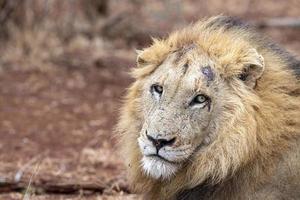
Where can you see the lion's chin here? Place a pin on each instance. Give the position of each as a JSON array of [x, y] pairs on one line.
[[158, 168]]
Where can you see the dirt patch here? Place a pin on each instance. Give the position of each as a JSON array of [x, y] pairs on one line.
[[61, 121]]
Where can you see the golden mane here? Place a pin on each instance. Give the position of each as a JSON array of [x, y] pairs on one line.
[[248, 147]]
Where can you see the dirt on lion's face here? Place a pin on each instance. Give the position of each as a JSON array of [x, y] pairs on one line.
[[181, 104]]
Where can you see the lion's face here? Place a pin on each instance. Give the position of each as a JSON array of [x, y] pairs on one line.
[[182, 103]]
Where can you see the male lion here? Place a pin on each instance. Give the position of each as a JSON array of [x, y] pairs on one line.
[[214, 113]]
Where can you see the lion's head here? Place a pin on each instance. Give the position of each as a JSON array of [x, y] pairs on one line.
[[195, 109], [185, 102]]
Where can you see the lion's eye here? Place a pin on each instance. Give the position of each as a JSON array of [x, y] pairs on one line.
[[156, 90], [199, 99], [242, 76]]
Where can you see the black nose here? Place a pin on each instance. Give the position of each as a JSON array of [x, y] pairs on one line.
[[159, 143]]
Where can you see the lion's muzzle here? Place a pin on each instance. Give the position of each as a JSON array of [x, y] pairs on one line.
[[161, 142]]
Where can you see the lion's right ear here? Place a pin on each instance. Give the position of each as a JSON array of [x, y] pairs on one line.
[[150, 58], [144, 66], [140, 60]]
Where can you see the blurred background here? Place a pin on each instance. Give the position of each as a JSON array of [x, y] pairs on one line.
[[63, 70]]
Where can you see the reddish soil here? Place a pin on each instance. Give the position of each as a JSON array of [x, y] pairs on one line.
[[61, 121]]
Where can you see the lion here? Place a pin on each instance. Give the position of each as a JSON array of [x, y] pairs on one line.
[[213, 114]]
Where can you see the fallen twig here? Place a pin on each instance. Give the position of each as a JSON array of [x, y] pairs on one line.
[[62, 188]]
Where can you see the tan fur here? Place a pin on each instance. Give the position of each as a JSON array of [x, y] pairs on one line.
[[256, 153]]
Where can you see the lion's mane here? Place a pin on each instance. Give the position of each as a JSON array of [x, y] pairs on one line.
[[248, 147]]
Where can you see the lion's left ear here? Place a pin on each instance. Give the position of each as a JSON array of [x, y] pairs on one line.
[[253, 69]]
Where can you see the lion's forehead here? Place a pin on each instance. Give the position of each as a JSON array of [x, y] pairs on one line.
[[191, 68]]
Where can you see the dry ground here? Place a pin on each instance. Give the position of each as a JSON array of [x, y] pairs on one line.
[[57, 116]]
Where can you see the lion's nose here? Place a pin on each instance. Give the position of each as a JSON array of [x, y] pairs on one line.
[[159, 143]]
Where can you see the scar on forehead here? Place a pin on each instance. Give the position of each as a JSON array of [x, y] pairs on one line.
[[185, 67], [181, 52], [208, 73]]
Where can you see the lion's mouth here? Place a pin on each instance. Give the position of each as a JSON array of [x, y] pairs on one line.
[[157, 156]]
